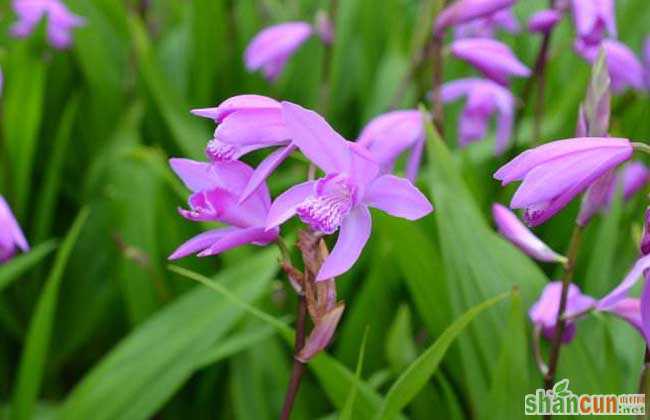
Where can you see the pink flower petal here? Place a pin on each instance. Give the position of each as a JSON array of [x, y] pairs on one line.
[[397, 197], [253, 126], [353, 235], [517, 168], [284, 206], [316, 138], [201, 242], [621, 291], [512, 229]]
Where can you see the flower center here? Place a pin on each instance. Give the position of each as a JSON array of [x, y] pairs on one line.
[[218, 151], [332, 201]]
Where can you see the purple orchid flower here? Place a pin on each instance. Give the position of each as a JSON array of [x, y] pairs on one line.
[[544, 20], [60, 21], [487, 26], [543, 313], [484, 98], [634, 176], [594, 19], [554, 173], [513, 230], [491, 57], [463, 11], [11, 236], [247, 123], [271, 48], [340, 200], [625, 69], [390, 134], [215, 193]]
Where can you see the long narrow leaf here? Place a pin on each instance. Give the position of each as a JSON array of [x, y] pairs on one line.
[[419, 372], [32, 363], [142, 372], [12, 270]]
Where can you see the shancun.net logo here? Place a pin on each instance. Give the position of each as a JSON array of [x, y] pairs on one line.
[[561, 401]]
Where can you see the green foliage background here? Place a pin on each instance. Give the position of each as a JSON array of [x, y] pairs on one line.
[[93, 325]]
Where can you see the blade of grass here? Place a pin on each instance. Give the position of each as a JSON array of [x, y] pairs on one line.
[[348, 408], [32, 362], [49, 190], [335, 378], [147, 367], [236, 343], [12, 270], [186, 130], [23, 107], [422, 369]]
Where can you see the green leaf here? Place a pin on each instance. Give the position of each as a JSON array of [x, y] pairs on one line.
[[511, 375], [605, 251], [23, 108], [422, 369], [32, 362], [335, 379], [185, 129], [421, 265], [478, 263], [236, 343], [400, 348], [348, 408], [17, 266], [148, 366], [50, 188]]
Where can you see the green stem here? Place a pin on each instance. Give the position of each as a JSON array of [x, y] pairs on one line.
[[437, 78], [641, 147]]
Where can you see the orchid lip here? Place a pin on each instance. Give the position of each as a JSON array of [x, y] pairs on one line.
[[334, 197]]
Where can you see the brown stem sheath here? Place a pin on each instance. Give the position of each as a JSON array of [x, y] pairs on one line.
[[298, 368]]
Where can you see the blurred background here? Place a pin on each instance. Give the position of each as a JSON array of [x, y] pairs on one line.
[[93, 325]]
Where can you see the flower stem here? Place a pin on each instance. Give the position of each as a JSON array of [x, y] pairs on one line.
[[326, 72], [298, 367], [539, 75], [435, 48], [540, 71], [641, 147], [572, 253]]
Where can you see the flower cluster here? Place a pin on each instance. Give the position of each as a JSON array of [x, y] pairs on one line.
[[476, 23], [60, 20], [595, 24], [356, 176], [544, 313]]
